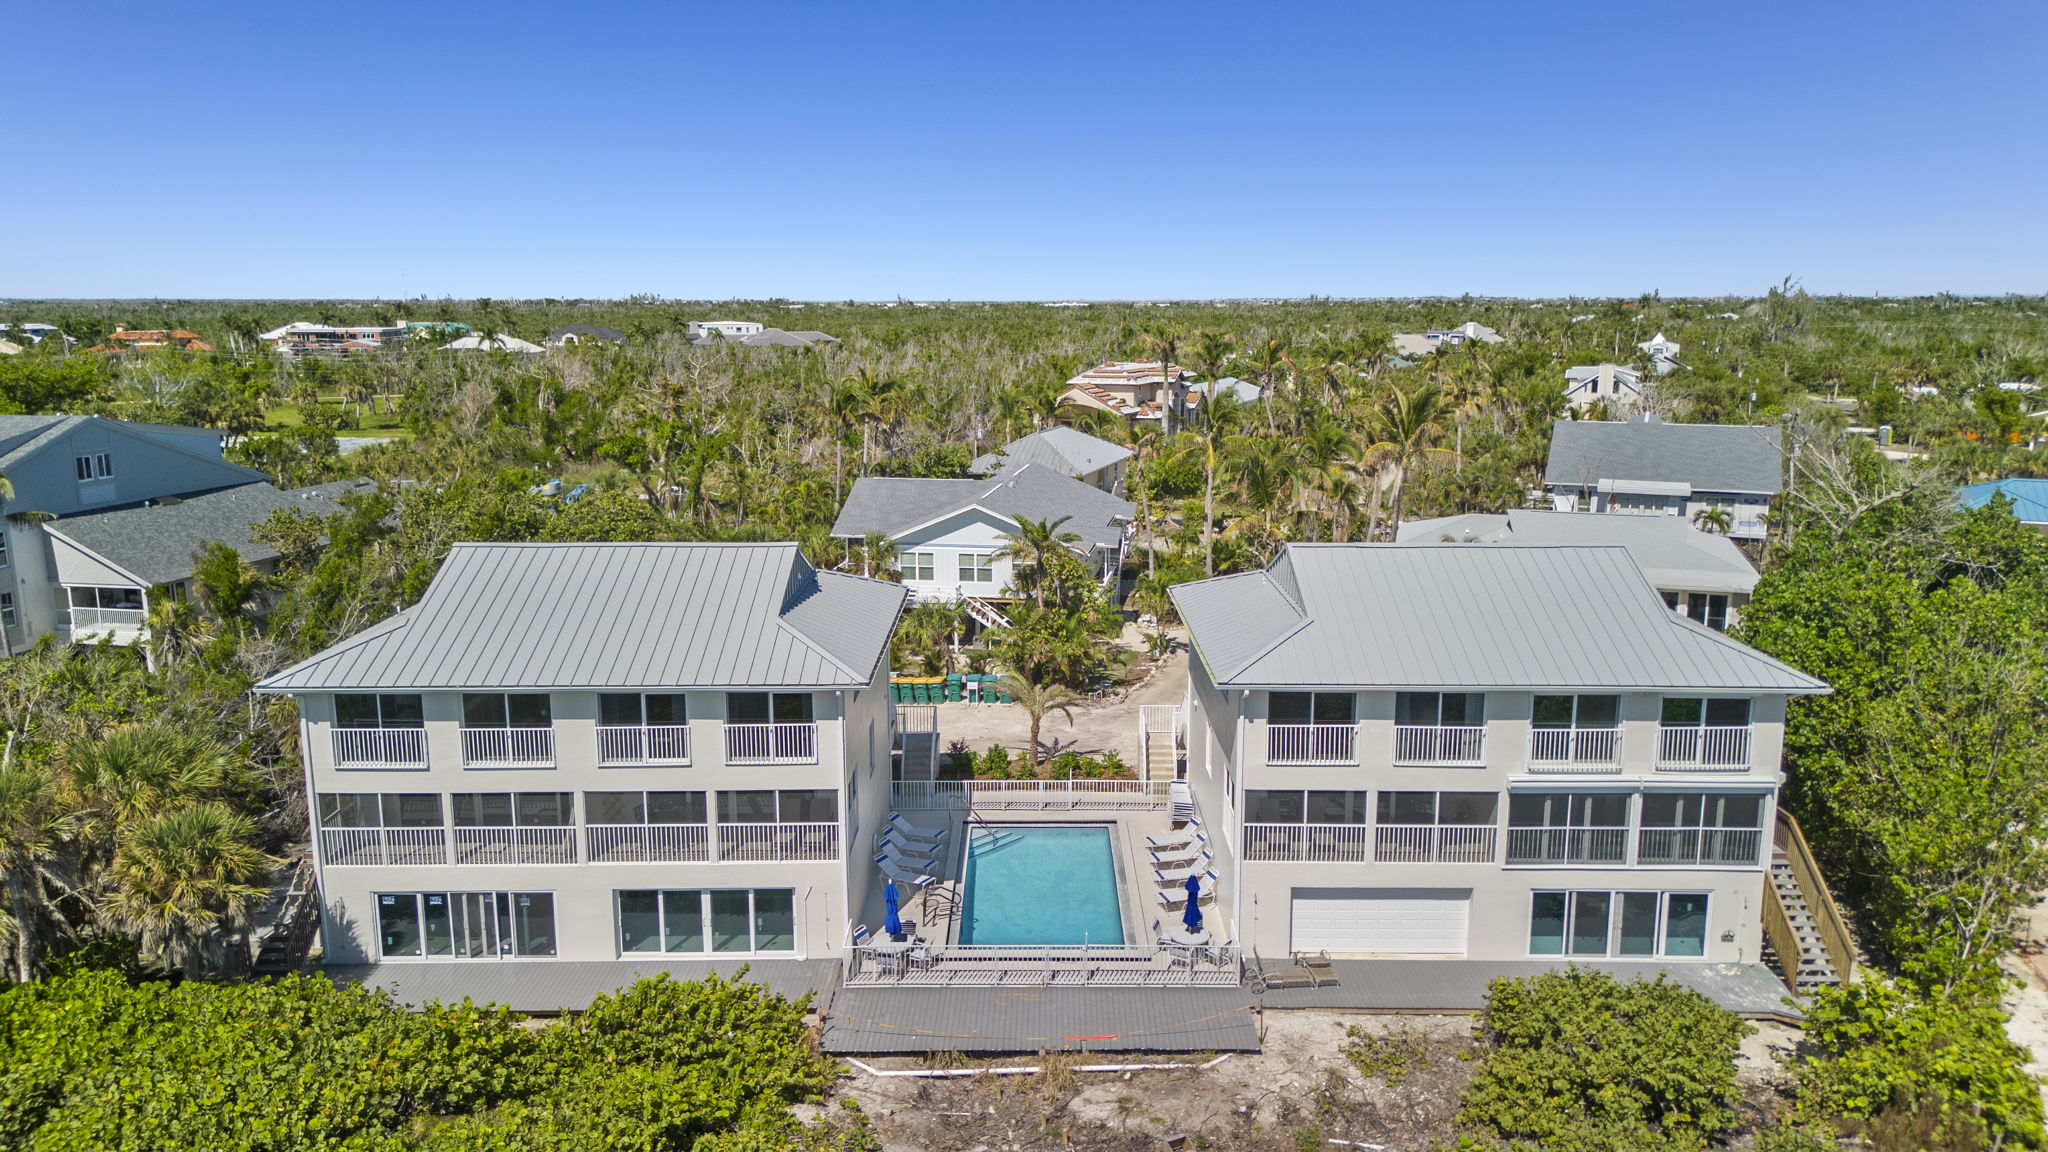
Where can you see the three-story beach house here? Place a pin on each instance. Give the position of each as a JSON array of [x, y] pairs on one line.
[[601, 751], [1505, 752]]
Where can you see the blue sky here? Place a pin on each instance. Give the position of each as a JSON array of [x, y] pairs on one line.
[[1050, 150]]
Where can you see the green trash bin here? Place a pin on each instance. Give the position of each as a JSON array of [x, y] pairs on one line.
[[956, 687], [924, 693], [897, 692]]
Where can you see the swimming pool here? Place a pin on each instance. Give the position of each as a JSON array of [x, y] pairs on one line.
[[1041, 884]]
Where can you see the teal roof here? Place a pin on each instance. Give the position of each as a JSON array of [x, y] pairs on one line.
[[2029, 497]]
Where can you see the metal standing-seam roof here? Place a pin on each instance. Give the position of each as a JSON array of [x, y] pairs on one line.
[[156, 543], [619, 616], [1709, 457], [1671, 552], [2029, 497], [1060, 448], [1432, 616], [893, 505]]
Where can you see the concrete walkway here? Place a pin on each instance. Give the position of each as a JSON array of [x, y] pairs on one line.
[[1446, 986]]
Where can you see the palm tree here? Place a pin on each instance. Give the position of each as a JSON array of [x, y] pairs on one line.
[[1405, 424], [1142, 439], [188, 880], [877, 402], [34, 825], [1163, 344], [1038, 702], [1206, 441], [1715, 520], [1035, 554]]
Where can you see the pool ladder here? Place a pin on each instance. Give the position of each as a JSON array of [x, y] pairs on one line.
[[993, 835]]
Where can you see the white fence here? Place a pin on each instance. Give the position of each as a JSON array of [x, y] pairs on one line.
[[650, 744], [771, 743], [1435, 843], [1046, 965], [1567, 845], [1311, 743], [778, 841], [379, 747], [644, 843], [1704, 749], [1575, 750], [515, 845], [349, 846], [1698, 846], [508, 747], [1309, 843], [1415, 744], [960, 795], [107, 619]]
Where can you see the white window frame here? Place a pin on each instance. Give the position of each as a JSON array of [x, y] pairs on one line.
[[502, 927], [704, 902], [8, 616], [1616, 898], [93, 466], [977, 568], [917, 565]]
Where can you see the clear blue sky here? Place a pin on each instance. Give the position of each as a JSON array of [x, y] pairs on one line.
[[1024, 150]]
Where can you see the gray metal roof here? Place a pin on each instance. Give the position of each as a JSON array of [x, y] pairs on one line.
[[1710, 457], [1431, 616], [156, 544], [619, 616], [1059, 448], [893, 505], [1671, 552], [896, 1020]]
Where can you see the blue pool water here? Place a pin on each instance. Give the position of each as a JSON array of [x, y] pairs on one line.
[[1040, 884]]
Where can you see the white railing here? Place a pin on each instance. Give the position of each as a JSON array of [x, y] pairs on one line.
[[771, 743], [1308, 843], [778, 841], [922, 719], [110, 619], [1311, 743], [1575, 750], [645, 843], [1704, 749], [379, 747], [650, 744], [1159, 718], [1434, 843], [508, 747], [1698, 846], [1046, 965], [1415, 744], [1567, 845], [515, 845], [1036, 794], [345, 846]]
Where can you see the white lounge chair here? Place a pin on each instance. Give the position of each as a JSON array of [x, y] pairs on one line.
[[1179, 856], [1180, 875], [907, 844], [1174, 841], [914, 856], [919, 831], [913, 835], [894, 870], [1178, 897]]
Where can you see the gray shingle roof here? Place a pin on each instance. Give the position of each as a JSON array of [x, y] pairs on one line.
[[892, 505], [1671, 552], [1710, 457], [1448, 616], [156, 544], [620, 616], [1063, 449]]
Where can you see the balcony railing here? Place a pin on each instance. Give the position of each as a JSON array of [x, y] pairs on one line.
[[108, 619], [1704, 749], [515, 845], [1439, 745], [1434, 843], [1698, 846], [379, 747], [1575, 750], [1031, 794], [1311, 743], [1308, 843], [771, 743], [1567, 845], [646, 843], [651, 744], [778, 841], [346, 846], [508, 747]]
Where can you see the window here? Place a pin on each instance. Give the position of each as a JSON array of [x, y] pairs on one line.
[[1577, 712], [1701, 828], [1567, 827], [1319, 807], [1313, 708], [466, 925], [94, 466], [506, 710], [1670, 600], [8, 619], [128, 599], [769, 707], [1440, 709], [1456, 808], [513, 809], [636, 710], [697, 920], [3, 549], [1618, 924], [384, 710], [1694, 712], [916, 565], [1708, 608], [643, 807], [374, 810], [977, 568], [788, 806]]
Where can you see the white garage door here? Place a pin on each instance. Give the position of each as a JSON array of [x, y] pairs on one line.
[[1430, 920]]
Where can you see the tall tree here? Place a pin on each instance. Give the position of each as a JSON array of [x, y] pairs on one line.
[[1406, 428]]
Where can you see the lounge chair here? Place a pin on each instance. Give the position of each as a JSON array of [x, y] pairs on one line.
[[1174, 841], [894, 869], [889, 841], [1178, 897], [1180, 875], [917, 831], [1181, 857], [914, 856]]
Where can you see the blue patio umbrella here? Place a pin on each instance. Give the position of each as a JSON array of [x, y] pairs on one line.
[[892, 920], [1193, 916]]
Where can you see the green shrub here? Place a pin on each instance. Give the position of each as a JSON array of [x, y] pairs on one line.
[[994, 763]]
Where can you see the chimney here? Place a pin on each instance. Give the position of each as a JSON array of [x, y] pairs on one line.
[[120, 327]]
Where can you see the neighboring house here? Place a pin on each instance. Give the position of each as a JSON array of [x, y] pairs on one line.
[[36, 333], [1497, 753], [578, 752], [697, 330], [109, 563], [751, 335], [1420, 344], [1646, 467], [1588, 384], [126, 339], [498, 343], [947, 532], [1245, 391], [1700, 574], [1069, 451], [584, 334], [303, 338], [1133, 389], [65, 468], [2029, 498], [1662, 351]]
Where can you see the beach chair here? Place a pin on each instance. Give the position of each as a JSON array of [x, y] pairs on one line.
[[889, 841], [1173, 841], [893, 869], [911, 832], [913, 857], [1180, 875]]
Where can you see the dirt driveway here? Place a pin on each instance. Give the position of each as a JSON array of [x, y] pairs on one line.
[[1095, 729]]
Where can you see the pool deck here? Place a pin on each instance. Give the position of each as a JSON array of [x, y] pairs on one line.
[[1458, 986], [991, 1020]]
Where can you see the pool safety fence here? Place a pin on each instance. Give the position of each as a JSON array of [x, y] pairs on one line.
[[1036, 795], [1044, 966]]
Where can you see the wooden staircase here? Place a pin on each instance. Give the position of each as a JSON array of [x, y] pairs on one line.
[[1803, 927]]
